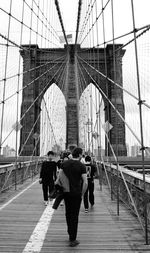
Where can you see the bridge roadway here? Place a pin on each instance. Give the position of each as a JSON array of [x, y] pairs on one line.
[[27, 226]]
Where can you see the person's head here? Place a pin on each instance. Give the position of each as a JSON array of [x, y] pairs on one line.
[[77, 153], [87, 158], [50, 154], [65, 157]]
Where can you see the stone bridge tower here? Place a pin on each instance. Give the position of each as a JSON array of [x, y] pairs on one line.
[[42, 67]]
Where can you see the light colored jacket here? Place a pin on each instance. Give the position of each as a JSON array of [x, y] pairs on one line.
[[63, 181]]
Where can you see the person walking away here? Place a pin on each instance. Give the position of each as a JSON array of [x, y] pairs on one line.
[[75, 171], [65, 158], [89, 194], [48, 175]]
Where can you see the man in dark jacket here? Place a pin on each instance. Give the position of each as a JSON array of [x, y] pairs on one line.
[[76, 174], [89, 194], [48, 175]]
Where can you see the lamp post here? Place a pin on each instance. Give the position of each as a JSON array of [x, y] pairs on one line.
[[36, 137], [88, 124]]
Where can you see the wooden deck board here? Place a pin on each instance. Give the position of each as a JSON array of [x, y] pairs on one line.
[[100, 230]]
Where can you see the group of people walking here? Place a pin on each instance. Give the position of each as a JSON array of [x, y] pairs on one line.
[[75, 180]]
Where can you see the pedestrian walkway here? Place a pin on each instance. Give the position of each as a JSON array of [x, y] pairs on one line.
[[26, 226]]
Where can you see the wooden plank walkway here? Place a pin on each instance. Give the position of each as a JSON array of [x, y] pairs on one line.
[[100, 230]]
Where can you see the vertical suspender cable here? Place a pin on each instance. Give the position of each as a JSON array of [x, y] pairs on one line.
[[17, 105], [42, 27], [30, 38], [5, 73], [141, 122], [98, 67], [92, 85], [46, 23], [90, 105], [106, 109], [37, 24], [91, 111], [116, 122]]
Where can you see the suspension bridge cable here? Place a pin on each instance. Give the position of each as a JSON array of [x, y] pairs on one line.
[[34, 30], [31, 131], [112, 81], [17, 20], [5, 73], [61, 21], [46, 19], [145, 29], [29, 134], [78, 20], [28, 84], [116, 115], [40, 94], [93, 23], [32, 69], [88, 20], [49, 120], [141, 123], [18, 83], [84, 22], [112, 105]]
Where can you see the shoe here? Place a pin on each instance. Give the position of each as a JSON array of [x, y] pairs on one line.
[[74, 243], [86, 210], [45, 203]]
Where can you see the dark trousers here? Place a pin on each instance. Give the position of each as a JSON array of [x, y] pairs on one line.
[[72, 204], [89, 194], [47, 188]]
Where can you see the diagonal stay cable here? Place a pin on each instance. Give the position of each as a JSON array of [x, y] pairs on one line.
[[32, 69], [146, 28], [40, 19], [84, 21], [98, 87], [27, 85], [90, 7], [111, 81], [41, 93], [95, 20], [123, 178], [97, 112], [31, 131], [45, 17], [49, 120], [46, 104], [29, 28]]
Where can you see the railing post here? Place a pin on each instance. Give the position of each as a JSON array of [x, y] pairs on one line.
[[100, 175], [15, 175]]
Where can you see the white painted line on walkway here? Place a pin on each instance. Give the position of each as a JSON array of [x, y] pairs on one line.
[[37, 238], [20, 193]]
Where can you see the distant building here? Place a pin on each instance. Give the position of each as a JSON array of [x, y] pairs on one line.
[[147, 152], [128, 149], [99, 153], [8, 151], [135, 150]]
